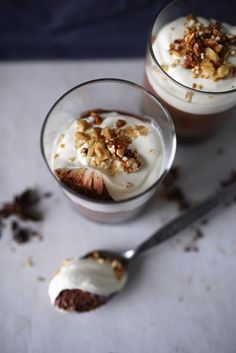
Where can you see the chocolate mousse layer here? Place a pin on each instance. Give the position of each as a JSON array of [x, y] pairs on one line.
[[192, 127], [79, 300]]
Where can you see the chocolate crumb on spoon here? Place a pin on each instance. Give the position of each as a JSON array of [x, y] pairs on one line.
[[85, 284]]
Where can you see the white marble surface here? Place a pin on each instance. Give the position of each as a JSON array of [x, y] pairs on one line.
[[175, 302]]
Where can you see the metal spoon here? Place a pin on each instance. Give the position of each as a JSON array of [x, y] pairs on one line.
[[120, 262]]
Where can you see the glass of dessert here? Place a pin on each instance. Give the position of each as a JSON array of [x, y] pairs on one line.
[[191, 64], [105, 150]]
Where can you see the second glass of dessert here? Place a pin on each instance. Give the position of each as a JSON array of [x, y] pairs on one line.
[[191, 64], [105, 150]]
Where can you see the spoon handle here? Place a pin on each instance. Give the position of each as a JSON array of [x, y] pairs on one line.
[[179, 223]]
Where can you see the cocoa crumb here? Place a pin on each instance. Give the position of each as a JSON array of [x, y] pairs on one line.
[[25, 206], [192, 246], [205, 49], [21, 234], [170, 191]]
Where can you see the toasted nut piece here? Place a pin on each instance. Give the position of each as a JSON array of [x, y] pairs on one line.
[[111, 149], [212, 55], [90, 152], [207, 68], [223, 71], [120, 151], [95, 133], [120, 123], [116, 167], [131, 165], [107, 133], [130, 131], [80, 139], [101, 151], [189, 96], [97, 119], [218, 48], [83, 125], [141, 130]]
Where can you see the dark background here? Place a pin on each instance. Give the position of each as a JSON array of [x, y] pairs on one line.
[[75, 29], [78, 29]]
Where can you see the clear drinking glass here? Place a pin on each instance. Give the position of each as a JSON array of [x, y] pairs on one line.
[[200, 116], [112, 95]]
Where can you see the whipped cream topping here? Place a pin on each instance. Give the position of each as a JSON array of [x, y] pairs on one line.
[[87, 275], [123, 185], [174, 94]]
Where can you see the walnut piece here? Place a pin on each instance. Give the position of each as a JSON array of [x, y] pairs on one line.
[[205, 50], [108, 148]]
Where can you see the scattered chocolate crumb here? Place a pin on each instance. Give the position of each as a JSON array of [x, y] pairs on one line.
[[47, 194], [41, 279], [171, 192], [21, 234], [193, 245], [191, 248], [25, 206], [198, 235]]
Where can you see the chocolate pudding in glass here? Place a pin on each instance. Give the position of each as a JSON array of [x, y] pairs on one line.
[[191, 64], [107, 153]]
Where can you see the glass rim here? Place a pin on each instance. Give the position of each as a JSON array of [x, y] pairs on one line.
[[158, 14], [124, 82]]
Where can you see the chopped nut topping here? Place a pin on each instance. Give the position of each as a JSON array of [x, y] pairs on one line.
[[62, 145], [108, 148], [189, 96], [205, 49], [120, 123], [82, 125], [97, 119], [56, 155], [71, 159], [80, 139]]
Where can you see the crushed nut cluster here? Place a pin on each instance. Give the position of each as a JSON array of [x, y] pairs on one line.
[[116, 264], [108, 148], [206, 50]]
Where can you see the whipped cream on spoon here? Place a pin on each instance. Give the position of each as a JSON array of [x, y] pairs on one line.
[[91, 281]]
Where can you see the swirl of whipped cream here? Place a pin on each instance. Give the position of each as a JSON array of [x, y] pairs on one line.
[[123, 185], [174, 94], [87, 275]]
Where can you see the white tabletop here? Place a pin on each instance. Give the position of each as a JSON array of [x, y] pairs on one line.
[[176, 301]]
